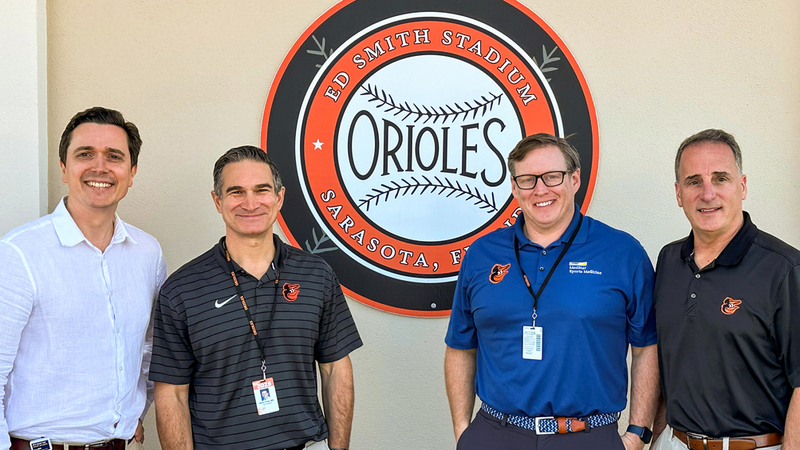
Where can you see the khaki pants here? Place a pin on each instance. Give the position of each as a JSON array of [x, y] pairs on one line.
[[669, 442]]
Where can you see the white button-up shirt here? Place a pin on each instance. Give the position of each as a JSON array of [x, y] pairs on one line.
[[75, 334]]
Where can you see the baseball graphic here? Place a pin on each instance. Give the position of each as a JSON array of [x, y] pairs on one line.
[[400, 139]]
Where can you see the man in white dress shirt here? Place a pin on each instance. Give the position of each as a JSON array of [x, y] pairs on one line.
[[76, 295]]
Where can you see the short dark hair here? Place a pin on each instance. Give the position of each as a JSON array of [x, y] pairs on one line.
[[103, 116], [539, 140], [244, 153], [710, 135]]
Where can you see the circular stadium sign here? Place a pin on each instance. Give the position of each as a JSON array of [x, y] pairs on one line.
[[391, 122]]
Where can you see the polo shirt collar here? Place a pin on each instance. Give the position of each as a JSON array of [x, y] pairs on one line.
[[583, 233], [736, 248], [281, 253], [70, 235]]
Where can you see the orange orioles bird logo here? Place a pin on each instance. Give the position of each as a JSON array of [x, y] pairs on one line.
[[498, 272], [729, 306], [291, 291]]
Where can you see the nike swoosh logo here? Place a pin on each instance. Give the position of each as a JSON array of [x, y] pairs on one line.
[[220, 305]]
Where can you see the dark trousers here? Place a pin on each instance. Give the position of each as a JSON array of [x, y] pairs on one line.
[[487, 433]]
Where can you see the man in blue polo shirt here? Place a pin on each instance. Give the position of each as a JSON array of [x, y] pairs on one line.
[[542, 318]]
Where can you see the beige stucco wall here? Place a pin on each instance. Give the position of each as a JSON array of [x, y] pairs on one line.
[[194, 76], [23, 112]]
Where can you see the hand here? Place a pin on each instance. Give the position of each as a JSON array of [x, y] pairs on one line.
[[459, 430], [138, 435], [632, 442]]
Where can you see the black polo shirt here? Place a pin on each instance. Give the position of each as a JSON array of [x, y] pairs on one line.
[[202, 338], [729, 334]]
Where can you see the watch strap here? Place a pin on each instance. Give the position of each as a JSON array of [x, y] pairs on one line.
[[644, 433]]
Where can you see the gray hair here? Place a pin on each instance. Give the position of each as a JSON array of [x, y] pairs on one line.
[[245, 153], [710, 135]]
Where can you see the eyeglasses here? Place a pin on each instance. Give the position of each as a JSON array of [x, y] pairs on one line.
[[550, 179]]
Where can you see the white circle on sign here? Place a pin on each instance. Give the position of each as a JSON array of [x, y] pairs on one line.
[[425, 161]]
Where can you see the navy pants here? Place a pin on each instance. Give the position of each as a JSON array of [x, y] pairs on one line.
[[487, 433]]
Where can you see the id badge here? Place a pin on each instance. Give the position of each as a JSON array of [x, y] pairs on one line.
[[41, 444], [266, 400], [532, 343]]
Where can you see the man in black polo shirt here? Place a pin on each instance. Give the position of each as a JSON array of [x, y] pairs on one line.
[[251, 315], [727, 301]]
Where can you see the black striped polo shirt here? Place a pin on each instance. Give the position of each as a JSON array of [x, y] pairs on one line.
[[202, 338]]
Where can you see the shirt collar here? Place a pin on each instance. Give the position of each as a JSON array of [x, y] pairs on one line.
[[70, 235], [281, 253], [519, 231], [736, 248]]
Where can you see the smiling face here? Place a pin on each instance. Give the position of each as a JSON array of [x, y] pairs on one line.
[[98, 168], [248, 203], [710, 190], [547, 210]]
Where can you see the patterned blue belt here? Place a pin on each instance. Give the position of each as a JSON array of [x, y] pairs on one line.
[[549, 424]]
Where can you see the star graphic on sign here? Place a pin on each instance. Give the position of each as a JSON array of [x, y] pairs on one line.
[[317, 145]]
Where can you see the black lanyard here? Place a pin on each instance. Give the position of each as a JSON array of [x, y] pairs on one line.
[[250, 321], [552, 269]]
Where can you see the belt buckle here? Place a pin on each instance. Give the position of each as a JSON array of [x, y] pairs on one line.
[[94, 444], [538, 420], [698, 437]]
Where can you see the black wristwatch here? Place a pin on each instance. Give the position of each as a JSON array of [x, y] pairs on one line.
[[644, 433]]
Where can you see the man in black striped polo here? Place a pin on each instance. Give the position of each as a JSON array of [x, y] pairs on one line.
[[238, 331]]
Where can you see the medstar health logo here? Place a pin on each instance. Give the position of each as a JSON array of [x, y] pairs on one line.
[[391, 122]]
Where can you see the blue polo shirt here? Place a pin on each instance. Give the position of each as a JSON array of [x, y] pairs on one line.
[[598, 301]]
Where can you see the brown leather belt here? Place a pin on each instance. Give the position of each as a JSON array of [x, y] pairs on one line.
[[114, 444], [697, 442], [575, 425]]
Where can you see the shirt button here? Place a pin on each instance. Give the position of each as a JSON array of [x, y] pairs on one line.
[[120, 367], [544, 252], [697, 275], [693, 295], [541, 269]]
